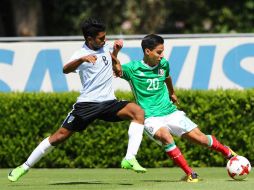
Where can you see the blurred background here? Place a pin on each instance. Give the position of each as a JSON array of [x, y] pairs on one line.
[[63, 17], [210, 44]]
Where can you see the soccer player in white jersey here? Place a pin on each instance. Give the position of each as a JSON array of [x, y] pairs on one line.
[[153, 90], [93, 62]]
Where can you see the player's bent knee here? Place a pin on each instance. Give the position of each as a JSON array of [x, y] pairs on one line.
[[165, 140], [139, 116], [138, 113], [164, 136], [59, 136]]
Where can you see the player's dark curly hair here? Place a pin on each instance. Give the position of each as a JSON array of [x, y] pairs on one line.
[[91, 27], [151, 41]]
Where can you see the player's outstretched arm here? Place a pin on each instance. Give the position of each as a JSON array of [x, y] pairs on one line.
[[73, 65]]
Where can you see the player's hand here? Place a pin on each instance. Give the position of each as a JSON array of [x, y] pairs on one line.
[[118, 44], [174, 99], [89, 58]]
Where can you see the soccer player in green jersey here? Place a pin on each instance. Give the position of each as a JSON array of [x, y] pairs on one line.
[[153, 90]]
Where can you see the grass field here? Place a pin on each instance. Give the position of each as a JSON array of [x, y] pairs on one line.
[[110, 179]]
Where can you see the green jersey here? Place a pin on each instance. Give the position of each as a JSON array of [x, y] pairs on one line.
[[149, 87]]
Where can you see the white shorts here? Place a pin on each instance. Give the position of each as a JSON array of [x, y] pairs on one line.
[[177, 124]]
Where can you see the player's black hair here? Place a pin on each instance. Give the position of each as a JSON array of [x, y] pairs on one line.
[[92, 26], [151, 41]]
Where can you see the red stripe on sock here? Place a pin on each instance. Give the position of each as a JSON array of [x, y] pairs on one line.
[[179, 160]]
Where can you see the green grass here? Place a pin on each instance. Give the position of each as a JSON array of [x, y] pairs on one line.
[[111, 179]]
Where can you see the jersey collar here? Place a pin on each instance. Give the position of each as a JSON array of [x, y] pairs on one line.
[[93, 51], [149, 67]]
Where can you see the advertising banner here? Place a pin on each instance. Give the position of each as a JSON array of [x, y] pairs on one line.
[[195, 63]]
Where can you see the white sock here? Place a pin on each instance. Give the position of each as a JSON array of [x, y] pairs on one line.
[[41, 150], [135, 133]]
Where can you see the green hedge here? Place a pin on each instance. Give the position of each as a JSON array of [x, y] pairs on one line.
[[27, 118]]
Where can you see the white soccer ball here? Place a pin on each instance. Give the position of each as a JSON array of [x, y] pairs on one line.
[[238, 167]]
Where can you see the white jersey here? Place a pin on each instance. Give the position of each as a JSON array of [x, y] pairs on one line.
[[96, 78]]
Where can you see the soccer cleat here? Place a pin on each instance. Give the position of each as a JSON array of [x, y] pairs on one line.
[[133, 165], [191, 178], [232, 153], [16, 173]]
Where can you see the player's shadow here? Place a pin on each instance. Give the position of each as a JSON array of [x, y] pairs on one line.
[[236, 181], [79, 183], [160, 181], [87, 183]]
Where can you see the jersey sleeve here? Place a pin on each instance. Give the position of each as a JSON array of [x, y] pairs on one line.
[[76, 55], [127, 71]]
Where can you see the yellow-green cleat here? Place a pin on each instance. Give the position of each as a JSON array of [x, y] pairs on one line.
[[16, 173], [132, 164], [232, 153], [192, 178]]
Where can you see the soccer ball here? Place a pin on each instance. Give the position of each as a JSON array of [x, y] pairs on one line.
[[238, 167]]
